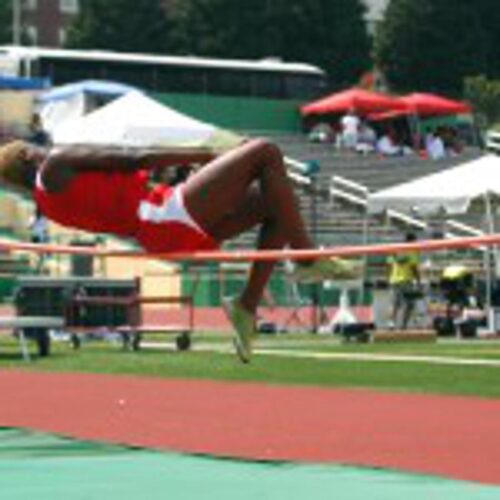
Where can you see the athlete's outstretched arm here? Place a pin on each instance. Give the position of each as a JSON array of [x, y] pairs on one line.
[[86, 158]]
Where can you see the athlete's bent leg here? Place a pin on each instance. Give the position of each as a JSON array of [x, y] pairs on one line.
[[213, 192], [212, 196], [249, 212], [252, 211]]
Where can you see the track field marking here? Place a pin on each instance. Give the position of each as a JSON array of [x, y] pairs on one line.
[[437, 360], [343, 356]]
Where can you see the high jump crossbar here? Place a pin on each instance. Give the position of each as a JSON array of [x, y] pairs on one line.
[[261, 255]]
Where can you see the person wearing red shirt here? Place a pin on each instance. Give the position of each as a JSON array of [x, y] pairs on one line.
[[106, 190]]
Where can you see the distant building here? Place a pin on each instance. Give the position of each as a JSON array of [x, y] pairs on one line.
[[45, 22]]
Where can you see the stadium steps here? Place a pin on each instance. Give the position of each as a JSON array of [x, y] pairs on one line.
[[343, 224], [372, 171]]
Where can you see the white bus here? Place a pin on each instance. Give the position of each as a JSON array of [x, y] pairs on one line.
[[266, 78]]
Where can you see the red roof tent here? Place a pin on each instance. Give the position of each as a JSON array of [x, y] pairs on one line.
[[362, 101], [389, 115], [423, 105], [432, 105]]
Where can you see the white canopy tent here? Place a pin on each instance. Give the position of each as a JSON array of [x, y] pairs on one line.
[[453, 191], [136, 120], [67, 102]]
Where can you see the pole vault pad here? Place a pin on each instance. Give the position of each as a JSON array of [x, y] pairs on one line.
[[61, 468]]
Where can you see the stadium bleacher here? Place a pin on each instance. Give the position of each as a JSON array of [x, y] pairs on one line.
[[335, 220], [341, 219]]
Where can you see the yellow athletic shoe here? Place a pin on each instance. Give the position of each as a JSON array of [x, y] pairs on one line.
[[244, 328], [328, 268]]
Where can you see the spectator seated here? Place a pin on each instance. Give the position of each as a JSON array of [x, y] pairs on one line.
[[387, 147], [435, 147]]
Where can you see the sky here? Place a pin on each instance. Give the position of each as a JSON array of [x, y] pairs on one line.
[[376, 8]]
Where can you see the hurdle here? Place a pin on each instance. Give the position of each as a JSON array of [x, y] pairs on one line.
[[134, 328], [88, 305]]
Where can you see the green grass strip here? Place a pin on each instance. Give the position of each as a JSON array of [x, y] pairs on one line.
[[391, 375]]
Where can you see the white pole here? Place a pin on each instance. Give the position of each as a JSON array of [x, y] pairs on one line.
[[366, 230], [16, 22], [490, 229]]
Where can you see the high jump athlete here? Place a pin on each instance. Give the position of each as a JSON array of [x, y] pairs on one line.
[[107, 191]]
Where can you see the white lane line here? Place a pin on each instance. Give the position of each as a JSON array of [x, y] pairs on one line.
[[343, 356], [438, 360]]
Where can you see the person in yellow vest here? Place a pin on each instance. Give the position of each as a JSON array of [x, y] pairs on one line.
[[404, 280], [457, 284]]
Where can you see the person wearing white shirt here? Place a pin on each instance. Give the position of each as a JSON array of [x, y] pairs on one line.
[[350, 129], [39, 227], [367, 139], [435, 147], [387, 147]]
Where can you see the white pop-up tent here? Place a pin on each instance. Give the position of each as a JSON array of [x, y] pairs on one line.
[[136, 120], [67, 102], [453, 191]]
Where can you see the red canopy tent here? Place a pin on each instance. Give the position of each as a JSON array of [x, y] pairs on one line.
[[359, 100], [419, 106], [388, 115], [433, 105]]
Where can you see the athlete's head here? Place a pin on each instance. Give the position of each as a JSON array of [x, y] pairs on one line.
[[17, 164]]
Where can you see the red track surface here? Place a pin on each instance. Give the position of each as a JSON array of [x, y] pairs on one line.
[[214, 318], [449, 436]]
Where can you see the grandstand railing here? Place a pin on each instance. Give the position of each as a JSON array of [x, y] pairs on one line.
[[297, 171]]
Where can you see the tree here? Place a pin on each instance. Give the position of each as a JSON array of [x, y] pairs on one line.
[[5, 22], [432, 45], [330, 34], [124, 25], [484, 96]]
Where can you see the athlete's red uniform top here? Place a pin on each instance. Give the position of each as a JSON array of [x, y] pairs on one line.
[[108, 202]]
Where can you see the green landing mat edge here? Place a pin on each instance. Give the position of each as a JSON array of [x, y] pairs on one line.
[[49, 467]]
